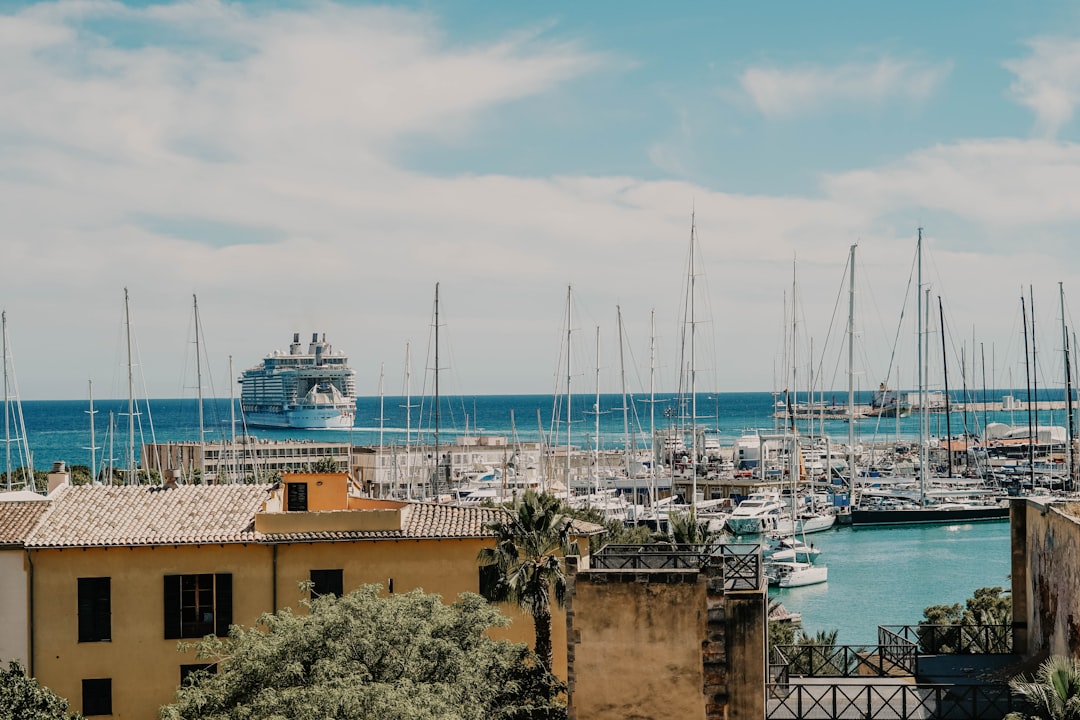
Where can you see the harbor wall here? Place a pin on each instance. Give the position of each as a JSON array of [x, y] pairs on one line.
[[663, 644], [1046, 578]]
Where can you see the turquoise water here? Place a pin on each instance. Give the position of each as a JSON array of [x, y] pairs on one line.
[[887, 576]]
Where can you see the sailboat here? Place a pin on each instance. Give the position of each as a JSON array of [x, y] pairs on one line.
[[924, 504]]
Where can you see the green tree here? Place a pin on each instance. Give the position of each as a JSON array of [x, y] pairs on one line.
[[325, 465], [1054, 694], [21, 698], [981, 625], [400, 657], [531, 543]]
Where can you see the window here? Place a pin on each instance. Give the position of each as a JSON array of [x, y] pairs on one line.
[[297, 497], [97, 696], [198, 605], [187, 670], [95, 622], [326, 582]]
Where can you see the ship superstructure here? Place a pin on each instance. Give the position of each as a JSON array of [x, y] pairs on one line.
[[310, 390]]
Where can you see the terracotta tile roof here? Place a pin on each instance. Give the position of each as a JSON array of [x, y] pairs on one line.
[[106, 515], [18, 519], [426, 521]]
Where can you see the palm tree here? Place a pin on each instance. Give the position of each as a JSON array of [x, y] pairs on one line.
[[687, 530], [530, 544], [1054, 694]]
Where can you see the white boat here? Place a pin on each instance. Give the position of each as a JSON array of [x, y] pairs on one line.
[[758, 513], [788, 549], [789, 574], [308, 390]]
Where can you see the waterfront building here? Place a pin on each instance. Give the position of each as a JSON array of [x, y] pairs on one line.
[[120, 574]]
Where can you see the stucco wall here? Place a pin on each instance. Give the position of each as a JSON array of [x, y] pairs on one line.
[[1049, 578], [14, 610], [143, 665], [637, 644]]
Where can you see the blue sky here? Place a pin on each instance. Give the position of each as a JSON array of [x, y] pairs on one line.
[[319, 166]]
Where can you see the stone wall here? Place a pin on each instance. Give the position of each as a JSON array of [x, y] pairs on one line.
[[1046, 578], [663, 644]]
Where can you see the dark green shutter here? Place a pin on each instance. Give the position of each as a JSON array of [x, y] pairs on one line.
[[86, 611], [222, 603], [172, 607]]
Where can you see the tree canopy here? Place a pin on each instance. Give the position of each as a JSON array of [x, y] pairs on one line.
[[365, 655], [22, 697]]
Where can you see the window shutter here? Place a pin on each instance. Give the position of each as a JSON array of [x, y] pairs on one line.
[[103, 609], [172, 607], [223, 603], [86, 611]]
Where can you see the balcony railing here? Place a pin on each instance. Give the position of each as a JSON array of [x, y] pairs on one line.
[[956, 639], [878, 701], [740, 562]]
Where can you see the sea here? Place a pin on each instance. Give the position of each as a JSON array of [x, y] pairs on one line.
[[877, 576]]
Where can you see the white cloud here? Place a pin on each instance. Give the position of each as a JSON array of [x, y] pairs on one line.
[[788, 92], [287, 125], [1048, 82]]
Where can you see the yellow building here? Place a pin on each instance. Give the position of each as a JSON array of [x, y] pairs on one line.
[[119, 575]]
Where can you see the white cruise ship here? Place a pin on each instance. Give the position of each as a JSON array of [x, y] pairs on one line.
[[310, 390]]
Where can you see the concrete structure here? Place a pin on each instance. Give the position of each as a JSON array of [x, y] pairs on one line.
[[112, 577], [661, 633], [1046, 577]]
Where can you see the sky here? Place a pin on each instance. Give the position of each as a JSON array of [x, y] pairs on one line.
[[319, 167]]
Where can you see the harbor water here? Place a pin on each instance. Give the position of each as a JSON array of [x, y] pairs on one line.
[[878, 576]]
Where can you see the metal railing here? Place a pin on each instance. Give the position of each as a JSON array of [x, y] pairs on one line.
[[844, 661], [898, 651], [878, 701], [741, 563], [955, 639]]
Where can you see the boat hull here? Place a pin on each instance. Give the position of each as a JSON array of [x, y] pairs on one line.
[[308, 419], [927, 516]]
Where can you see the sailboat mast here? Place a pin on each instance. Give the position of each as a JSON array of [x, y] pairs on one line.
[[948, 405], [625, 409], [408, 421], [1034, 364], [93, 447], [596, 419], [438, 461], [851, 375], [198, 374], [132, 477], [1070, 459], [693, 370], [382, 418], [924, 416], [232, 427], [1027, 372], [652, 407], [7, 402], [569, 296]]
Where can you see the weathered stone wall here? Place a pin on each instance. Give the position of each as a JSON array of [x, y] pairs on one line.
[[1046, 578], [663, 644]]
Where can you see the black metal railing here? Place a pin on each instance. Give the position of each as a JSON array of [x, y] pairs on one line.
[[877, 701], [743, 568], [740, 563], [844, 661], [897, 651], [661, 556], [956, 639]]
